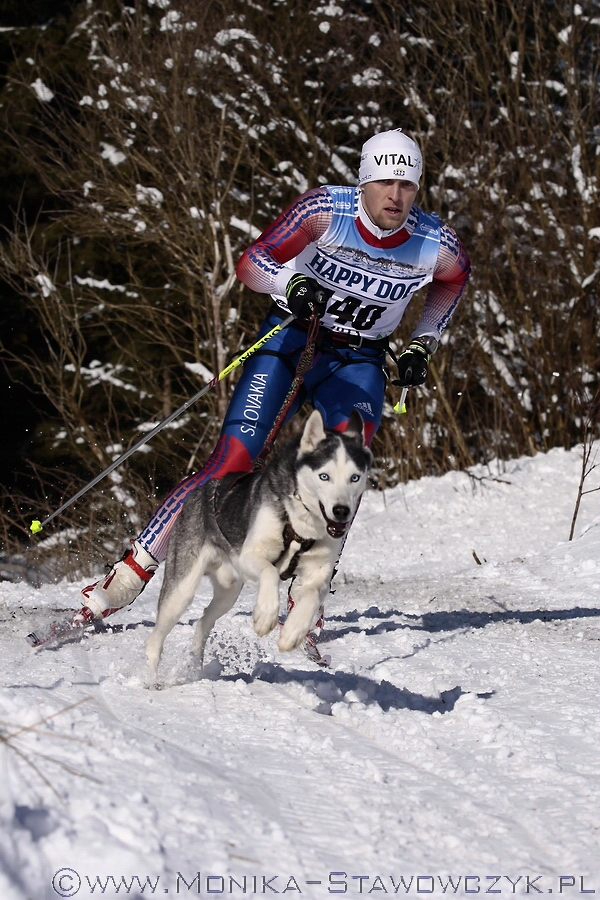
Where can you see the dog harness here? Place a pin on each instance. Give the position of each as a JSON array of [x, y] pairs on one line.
[[289, 536], [221, 487]]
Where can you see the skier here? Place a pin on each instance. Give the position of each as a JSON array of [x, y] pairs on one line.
[[354, 257]]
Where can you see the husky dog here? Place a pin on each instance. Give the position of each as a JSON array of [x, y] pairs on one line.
[[289, 517]]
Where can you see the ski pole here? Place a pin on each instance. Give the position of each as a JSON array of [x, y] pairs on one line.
[[36, 526]]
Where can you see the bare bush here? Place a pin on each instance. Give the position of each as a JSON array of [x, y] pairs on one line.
[[590, 416], [187, 130]]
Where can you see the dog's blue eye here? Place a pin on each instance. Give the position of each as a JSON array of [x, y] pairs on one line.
[[355, 478], [324, 476]]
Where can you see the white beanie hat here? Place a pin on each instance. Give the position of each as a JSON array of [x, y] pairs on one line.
[[390, 154]]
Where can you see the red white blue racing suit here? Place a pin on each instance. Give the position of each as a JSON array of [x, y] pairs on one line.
[[373, 274]]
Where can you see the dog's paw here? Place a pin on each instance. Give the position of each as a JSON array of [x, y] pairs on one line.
[[194, 669], [149, 678], [290, 637], [264, 620]]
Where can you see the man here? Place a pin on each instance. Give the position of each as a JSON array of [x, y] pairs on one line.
[[370, 248]]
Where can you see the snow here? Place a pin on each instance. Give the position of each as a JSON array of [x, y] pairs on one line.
[[149, 195], [200, 369], [111, 153], [451, 747], [105, 285], [46, 285], [42, 91], [98, 372]]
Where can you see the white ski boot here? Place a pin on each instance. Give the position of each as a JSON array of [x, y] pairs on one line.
[[125, 581]]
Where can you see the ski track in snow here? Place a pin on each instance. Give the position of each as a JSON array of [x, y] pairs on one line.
[[454, 736]]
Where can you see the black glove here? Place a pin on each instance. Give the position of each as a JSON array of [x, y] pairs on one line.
[[413, 364], [305, 297]]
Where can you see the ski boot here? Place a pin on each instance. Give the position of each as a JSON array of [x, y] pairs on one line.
[[125, 581]]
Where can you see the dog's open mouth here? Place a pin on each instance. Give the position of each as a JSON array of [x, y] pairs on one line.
[[334, 529]]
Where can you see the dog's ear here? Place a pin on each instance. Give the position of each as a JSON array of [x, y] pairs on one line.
[[356, 427], [314, 432]]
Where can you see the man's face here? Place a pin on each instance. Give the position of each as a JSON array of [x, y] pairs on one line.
[[387, 203]]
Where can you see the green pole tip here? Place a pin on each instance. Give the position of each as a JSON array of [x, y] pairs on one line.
[[36, 526], [397, 408]]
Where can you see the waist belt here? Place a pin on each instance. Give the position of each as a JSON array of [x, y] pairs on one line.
[[325, 334]]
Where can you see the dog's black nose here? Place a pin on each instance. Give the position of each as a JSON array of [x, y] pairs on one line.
[[341, 512]]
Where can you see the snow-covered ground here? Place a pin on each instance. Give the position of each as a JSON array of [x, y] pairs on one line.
[[451, 747]]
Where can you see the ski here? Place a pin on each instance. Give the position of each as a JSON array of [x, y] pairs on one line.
[[74, 621], [311, 650], [309, 644], [66, 625]]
